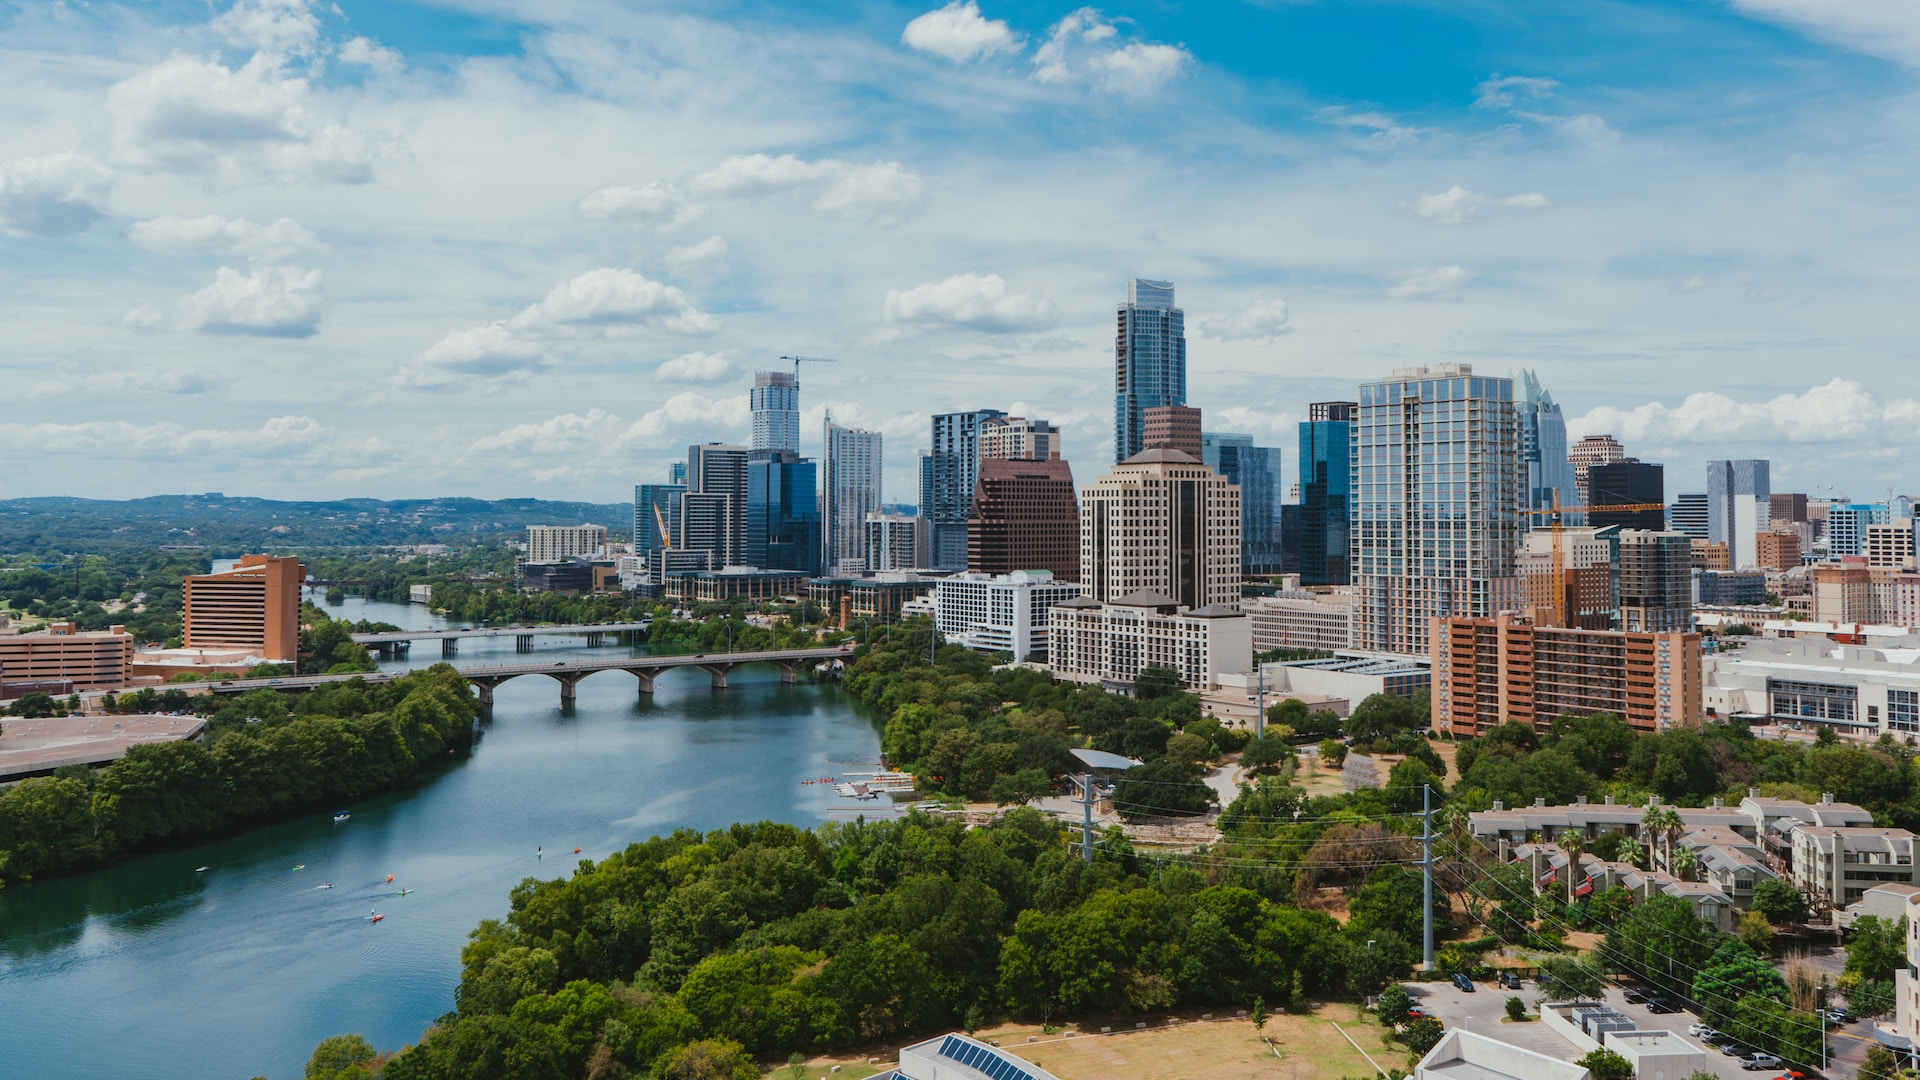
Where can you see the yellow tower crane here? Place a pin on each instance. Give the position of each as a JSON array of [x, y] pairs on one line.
[[1556, 525]]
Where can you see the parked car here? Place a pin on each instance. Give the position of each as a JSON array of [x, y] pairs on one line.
[[1637, 994], [1463, 983], [1416, 1014], [1698, 1031], [1508, 980], [1759, 1060], [1661, 1005], [1733, 1049], [1838, 1015]]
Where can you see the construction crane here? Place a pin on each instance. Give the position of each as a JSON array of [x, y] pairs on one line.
[[798, 360], [1555, 526], [666, 538]]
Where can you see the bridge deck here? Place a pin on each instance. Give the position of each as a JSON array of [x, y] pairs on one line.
[[389, 636], [501, 672]]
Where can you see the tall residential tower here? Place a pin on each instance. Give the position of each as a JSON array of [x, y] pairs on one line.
[[775, 401], [949, 470], [1150, 361], [850, 491]]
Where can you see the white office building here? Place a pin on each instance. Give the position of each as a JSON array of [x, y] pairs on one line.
[[558, 543], [1297, 619], [1858, 690], [1112, 643], [1008, 613], [849, 491]]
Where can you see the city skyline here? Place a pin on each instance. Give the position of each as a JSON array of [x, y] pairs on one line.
[[378, 250]]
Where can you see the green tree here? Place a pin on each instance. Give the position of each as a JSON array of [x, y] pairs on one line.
[[1604, 1064], [1756, 932], [1156, 682], [1394, 1003], [1333, 753], [1422, 1035], [1258, 1014], [1872, 998], [33, 705], [1780, 902], [1735, 971], [710, 1059], [1160, 788], [1879, 1064], [1516, 1009], [1265, 754], [1570, 978], [340, 1057], [1382, 716], [1878, 948]]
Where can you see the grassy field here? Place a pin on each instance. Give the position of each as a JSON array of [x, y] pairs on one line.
[[1303, 1047]]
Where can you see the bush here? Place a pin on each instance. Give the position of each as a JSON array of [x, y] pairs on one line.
[[1424, 1034], [1394, 1003], [1516, 1009], [1606, 1065]]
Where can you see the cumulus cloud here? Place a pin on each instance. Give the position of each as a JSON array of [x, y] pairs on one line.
[[1430, 283], [370, 54], [53, 195], [684, 416], [278, 26], [211, 234], [1084, 47], [172, 380], [880, 191], [1458, 206], [568, 433], [197, 116], [1504, 92], [280, 437], [1380, 129], [1264, 320], [615, 298], [959, 33], [269, 301], [655, 203], [485, 353], [973, 302], [1889, 29], [696, 367], [1842, 410], [701, 256]]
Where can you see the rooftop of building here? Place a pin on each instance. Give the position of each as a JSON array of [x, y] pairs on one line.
[[34, 747], [1361, 663], [1162, 455]]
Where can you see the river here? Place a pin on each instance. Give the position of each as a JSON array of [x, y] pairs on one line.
[[150, 969]]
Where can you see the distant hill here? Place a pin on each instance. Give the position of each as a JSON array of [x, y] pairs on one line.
[[226, 525]]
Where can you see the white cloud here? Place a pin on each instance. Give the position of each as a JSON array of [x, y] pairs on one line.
[[1889, 29], [1842, 410], [687, 416], [197, 116], [880, 191], [610, 298], [1080, 48], [1264, 320], [1430, 283], [1383, 130], [1255, 420], [973, 302], [280, 437], [269, 301], [1501, 92], [276, 26], [172, 380], [489, 353], [657, 204], [568, 433], [1458, 206], [368, 53], [696, 367], [54, 195], [211, 234], [959, 33], [696, 257]]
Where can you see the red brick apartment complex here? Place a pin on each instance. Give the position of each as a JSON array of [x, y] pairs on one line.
[[1488, 671]]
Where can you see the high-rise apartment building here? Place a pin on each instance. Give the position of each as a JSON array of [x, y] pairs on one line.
[[656, 515], [1655, 581], [253, 605], [1019, 437], [1688, 514], [896, 542], [1788, 506], [783, 513], [1174, 427], [1543, 448], [775, 402], [1150, 361], [1891, 544], [1777, 550], [1488, 671], [1024, 517], [677, 473], [1588, 452], [1164, 523], [714, 513], [850, 491], [1255, 470], [1847, 525], [1739, 507], [1627, 482], [1844, 594], [1435, 515], [1326, 465], [1586, 579], [949, 471], [558, 543]]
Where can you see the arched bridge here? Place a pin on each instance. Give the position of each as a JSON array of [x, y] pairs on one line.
[[568, 673]]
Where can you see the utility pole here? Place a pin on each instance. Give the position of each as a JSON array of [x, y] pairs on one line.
[[1086, 817], [1426, 874], [1260, 705]]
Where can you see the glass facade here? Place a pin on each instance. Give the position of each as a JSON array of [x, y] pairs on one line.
[[1326, 464], [1543, 446], [1903, 710], [1255, 470], [655, 505], [1739, 506], [949, 471], [1150, 361], [783, 513], [775, 402], [1813, 701]]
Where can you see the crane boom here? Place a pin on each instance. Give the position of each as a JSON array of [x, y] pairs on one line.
[[1559, 570], [798, 360], [666, 538]]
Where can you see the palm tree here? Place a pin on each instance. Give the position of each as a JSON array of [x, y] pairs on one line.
[[1572, 843], [1664, 823], [1632, 852], [1684, 863]]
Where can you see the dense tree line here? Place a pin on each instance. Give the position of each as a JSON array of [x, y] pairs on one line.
[[80, 589], [732, 633], [266, 755]]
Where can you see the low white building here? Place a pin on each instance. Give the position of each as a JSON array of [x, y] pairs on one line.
[[1860, 691], [1112, 643], [1463, 1055], [960, 1057], [1297, 619], [1351, 675], [1007, 613]]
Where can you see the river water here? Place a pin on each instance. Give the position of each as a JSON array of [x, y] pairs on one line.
[[150, 969]]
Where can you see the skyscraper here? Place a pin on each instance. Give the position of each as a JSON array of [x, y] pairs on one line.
[[1543, 447], [783, 513], [656, 515], [775, 400], [1319, 544], [1024, 517], [851, 491], [1175, 427], [1019, 437], [1847, 525], [1625, 482], [1150, 360], [1656, 581], [1688, 514], [1588, 452], [714, 510], [1435, 505], [1255, 470], [949, 469], [1739, 506], [1163, 523]]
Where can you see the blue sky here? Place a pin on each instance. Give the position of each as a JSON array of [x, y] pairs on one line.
[[502, 248]]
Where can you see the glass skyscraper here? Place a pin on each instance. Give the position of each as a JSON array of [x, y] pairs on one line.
[[1739, 507], [851, 492], [1543, 446], [1150, 361], [949, 470], [1436, 503], [1318, 545], [1255, 470], [775, 401], [783, 513]]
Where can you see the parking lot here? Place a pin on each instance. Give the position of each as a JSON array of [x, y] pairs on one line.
[[1483, 1012]]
